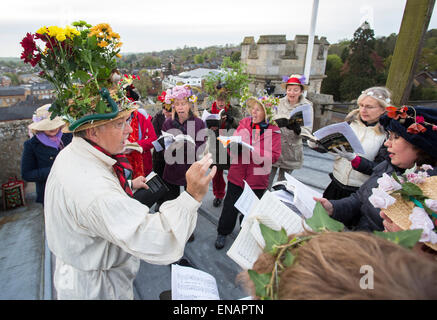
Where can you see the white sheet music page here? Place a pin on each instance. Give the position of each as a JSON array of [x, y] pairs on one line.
[[192, 284], [271, 212], [346, 130], [303, 196], [245, 250], [306, 114], [246, 201]]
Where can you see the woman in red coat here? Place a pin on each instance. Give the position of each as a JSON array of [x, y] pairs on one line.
[[144, 134], [251, 166]]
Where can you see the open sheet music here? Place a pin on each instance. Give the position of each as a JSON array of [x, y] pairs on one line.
[[133, 146], [271, 212], [303, 196], [301, 115], [212, 119], [192, 284], [226, 140], [336, 135], [166, 139]]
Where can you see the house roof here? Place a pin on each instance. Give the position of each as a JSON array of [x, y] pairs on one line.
[[12, 91]]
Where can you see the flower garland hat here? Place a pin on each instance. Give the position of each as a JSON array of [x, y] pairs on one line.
[[295, 79], [42, 122], [410, 201], [166, 106], [417, 125], [179, 92], [268, 103], [80, 61]]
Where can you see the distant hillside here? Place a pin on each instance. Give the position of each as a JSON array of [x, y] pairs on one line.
[[9, 59]]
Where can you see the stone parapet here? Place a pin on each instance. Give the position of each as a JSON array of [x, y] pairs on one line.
[[13, 134]]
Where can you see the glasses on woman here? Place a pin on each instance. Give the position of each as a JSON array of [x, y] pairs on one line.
[[367, 107]]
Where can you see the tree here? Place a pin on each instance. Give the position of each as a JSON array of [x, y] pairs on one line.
[[331, 84], [198, 59], [236, 56], [234, 79], [360, 70], [150, 61]]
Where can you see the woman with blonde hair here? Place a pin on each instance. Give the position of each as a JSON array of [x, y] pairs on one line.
[[251, 167], [350, 170]]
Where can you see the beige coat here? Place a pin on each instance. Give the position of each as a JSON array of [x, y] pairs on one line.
[[291, 144], [371, 138], [99, 234]]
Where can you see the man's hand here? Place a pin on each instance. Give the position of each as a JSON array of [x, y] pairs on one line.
[[139, 182], [197, 179], [325, 204]]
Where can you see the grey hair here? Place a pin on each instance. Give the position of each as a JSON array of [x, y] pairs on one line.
[[380, 94]]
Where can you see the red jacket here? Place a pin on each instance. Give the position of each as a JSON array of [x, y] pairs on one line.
[[255, 170], [143, 128]]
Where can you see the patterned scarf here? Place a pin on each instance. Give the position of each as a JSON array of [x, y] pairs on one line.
[[122, 168], [259, 127]]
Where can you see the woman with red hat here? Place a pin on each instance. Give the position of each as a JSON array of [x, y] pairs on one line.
[[291, 142]]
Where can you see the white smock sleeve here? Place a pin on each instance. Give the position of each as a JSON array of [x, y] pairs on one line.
[[155, 238]]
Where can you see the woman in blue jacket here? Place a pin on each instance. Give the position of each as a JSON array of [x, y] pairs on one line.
[[41, 149]]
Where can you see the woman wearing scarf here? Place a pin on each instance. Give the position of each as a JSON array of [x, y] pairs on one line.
[[42, 148], [253, 166]]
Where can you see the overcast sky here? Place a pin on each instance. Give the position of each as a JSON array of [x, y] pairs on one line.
[[156, 25]]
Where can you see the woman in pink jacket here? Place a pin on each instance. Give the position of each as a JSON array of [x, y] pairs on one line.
[[252, 166]]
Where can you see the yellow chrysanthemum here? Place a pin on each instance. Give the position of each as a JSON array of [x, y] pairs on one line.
[[102, 44], [71, 32], [118, 55], [118, 44], [115, 35], [42, 30], [61, 36], [54, 30]]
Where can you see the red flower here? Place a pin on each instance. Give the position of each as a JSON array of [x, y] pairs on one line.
[[35, 60], [416, 128], [138, 77], [403, 112], [162, 96], [434, 128], [29, 47], [420, 119], [392, 112]]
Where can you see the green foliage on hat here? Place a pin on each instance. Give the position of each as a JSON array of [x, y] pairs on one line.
[[233, 80]]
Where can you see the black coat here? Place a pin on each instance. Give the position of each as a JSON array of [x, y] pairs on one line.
[[220, 155], [37, 160], [158, 157], [356, 211]]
